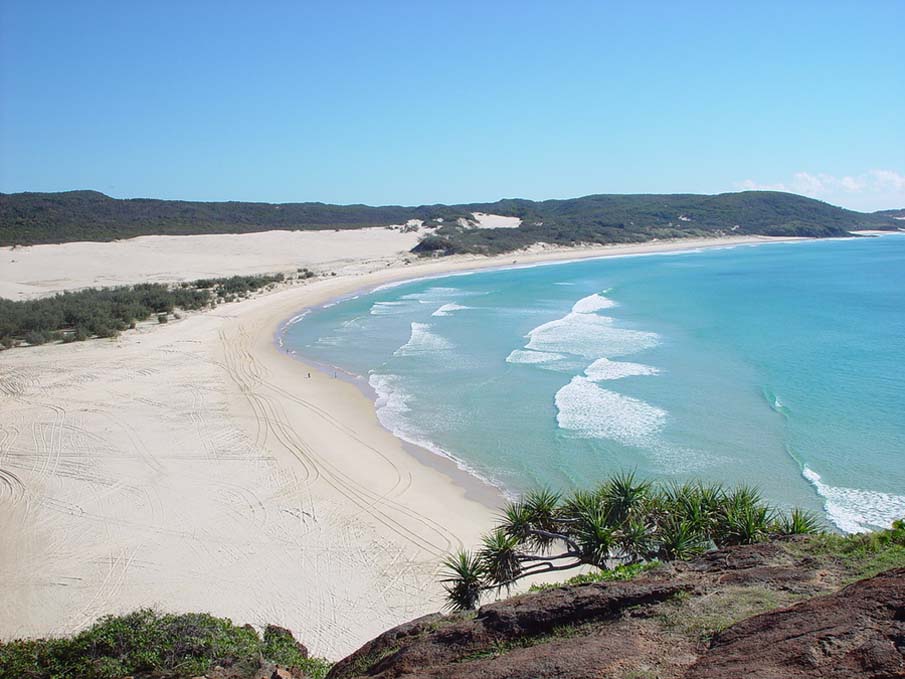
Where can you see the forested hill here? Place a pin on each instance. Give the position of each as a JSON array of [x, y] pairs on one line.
[[898, 214], [31, 218]]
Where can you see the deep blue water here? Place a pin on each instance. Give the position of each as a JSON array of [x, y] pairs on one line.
[[781, 365]]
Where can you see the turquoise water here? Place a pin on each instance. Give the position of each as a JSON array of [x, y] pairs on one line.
[[781, 365]]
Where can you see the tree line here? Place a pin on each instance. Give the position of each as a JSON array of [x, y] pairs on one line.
[[611, 218], [30, 218]]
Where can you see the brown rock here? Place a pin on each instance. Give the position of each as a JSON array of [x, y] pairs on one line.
[[435, 646], [633, 629], [535, 614], [856, 632]]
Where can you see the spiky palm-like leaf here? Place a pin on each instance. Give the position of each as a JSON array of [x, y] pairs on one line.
[[799, 522], [745, 524], [463, 581], [744, 496], [578, 503], [712, 495], [636, 539], [691, 508], [679, 540], [515, 520], [499, 558], [624, 496], [541, 508], [594, 537]]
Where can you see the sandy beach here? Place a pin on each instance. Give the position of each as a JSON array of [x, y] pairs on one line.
[[194, 466]]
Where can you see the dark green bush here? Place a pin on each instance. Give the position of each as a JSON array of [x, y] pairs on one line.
[[153, 644]]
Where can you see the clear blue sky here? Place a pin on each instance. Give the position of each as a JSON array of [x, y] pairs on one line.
[[420, 102]]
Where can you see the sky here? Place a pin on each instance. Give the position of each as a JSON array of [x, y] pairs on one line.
[[421, 102]]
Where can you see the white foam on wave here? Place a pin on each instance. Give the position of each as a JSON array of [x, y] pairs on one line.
[[605, 369], [448, 309], [583, 332], [590, 336], [592, 412], [432, 294], [392, 406], [353, 322], [592, 303], [281, 334], [422, 341], [533, 357], [854, 510], [391, 402], [295, 319], [387, 308]]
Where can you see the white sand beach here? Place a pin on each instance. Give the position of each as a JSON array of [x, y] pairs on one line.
[[193, 466]]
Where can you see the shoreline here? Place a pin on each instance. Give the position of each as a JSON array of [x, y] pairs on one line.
[[194, 466], [474, 485]]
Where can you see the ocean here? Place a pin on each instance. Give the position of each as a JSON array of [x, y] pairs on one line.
[[778, 365]]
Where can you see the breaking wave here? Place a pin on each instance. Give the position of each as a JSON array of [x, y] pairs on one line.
[[448, 309], [591, 412], [433, 294], [533, 357], [605, 369], [295, 319], [854, 510], [590, 336], [391, 402], [392, 407], [583, 332], [592, 303], [388, 308], [422, 341]]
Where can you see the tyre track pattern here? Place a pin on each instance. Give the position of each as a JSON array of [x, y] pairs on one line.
[[271, 422]]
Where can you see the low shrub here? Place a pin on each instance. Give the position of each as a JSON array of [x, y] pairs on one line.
[[160, 645]]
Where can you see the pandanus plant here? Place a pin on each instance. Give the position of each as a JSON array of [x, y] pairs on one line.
[[625, 520]]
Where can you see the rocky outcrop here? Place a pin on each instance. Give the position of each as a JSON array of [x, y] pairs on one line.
[[437, 647], [857, 632], [662, 626]]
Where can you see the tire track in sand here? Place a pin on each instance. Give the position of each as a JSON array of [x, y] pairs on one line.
[[247, 373]]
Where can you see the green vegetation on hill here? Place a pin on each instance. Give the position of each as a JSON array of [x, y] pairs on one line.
[[30, 218], [602, 219], [150, 644], [104, 312], [899, 213]]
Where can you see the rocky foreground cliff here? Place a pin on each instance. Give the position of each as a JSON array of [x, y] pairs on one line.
[[777, 610], [816, 606]]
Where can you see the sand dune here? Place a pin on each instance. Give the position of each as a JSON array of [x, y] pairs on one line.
[[27, 272]]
